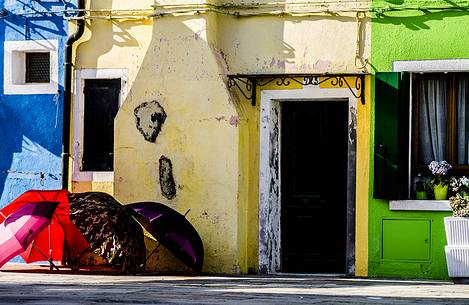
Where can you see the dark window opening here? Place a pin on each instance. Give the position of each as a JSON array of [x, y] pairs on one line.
[[101, 106], [37, 67]]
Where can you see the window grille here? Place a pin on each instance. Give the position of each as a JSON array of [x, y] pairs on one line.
[[37, 67]]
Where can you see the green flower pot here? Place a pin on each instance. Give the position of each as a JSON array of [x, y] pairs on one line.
[[440, 191], [421, 195]]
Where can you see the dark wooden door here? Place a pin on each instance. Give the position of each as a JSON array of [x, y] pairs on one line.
[[101, 107], [314, 186]]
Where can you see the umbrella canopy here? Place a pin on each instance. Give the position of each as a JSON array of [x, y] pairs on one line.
[[19, 229], [110, 229], [172, 230], [59, 240]]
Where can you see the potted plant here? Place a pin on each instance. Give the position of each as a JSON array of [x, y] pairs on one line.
[[422, 187], [457, 230], [421, 190], [440, 180]]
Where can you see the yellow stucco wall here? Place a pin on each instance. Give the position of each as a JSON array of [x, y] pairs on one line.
[[362, 183], [211, 133]]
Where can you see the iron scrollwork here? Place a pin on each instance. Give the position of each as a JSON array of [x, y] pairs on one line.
[[247, 85]]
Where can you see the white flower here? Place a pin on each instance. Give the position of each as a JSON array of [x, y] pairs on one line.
[[440, 168], [460, 185]]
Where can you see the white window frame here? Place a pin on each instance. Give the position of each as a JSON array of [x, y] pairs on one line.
[[439, 65], [14, 67], [78, 119], [422, 66]]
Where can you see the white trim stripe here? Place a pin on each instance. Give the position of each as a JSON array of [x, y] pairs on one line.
[[440, 65]]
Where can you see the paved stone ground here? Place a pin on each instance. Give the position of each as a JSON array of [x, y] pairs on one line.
[[62, 288]]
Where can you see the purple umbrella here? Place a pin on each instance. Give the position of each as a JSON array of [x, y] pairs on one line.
[[172, 230], [21, 227]]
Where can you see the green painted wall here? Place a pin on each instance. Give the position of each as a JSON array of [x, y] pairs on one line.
[[417, 34], [404, 240], [405, 34]]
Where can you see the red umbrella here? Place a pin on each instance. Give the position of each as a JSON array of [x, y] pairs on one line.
[[21, 227], [58, 240]]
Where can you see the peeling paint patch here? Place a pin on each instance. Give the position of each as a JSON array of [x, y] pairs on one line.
[[212, 219], [149, 119], [222, 60], [234, 120], [272, 62], [269, 188], [281, 64], [352, 127], [322, 65], [167, 184]]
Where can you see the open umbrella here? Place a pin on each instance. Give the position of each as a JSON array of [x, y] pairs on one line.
[[21, 227], [58, 240], [172, 230], [110, 229]]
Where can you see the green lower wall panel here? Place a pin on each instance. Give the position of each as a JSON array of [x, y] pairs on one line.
[[406, 244], [406, 240]]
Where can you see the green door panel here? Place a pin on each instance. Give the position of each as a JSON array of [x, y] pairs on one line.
[[391, 135], [406, 239]]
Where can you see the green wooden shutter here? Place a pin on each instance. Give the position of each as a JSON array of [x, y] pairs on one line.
[[391, 135]]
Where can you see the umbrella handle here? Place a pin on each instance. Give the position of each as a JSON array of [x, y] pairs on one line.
[[49, 259]]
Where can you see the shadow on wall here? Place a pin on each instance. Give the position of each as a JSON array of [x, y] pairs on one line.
[[99, 42], [420, 19], [32, 26], [12, 139], [30, 125]]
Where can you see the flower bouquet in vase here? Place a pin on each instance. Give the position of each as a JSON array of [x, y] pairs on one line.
[[440, 180]]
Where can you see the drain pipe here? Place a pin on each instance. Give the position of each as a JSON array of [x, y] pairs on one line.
[[68, 94]]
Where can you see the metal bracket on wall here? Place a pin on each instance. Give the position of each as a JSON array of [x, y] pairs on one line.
[[247, 84]]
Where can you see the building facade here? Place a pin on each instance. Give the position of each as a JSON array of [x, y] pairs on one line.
[[32, 35], [206, 98], [290, 133], [419, 64]]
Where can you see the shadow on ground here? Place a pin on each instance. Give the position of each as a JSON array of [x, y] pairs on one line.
[[162, 289]]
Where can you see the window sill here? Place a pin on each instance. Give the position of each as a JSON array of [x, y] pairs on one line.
[[93, 176], [419, 205]]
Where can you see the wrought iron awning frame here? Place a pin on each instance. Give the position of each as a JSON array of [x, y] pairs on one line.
[[247, 84]]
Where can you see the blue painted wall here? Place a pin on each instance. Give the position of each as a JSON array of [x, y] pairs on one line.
[[31, 125]]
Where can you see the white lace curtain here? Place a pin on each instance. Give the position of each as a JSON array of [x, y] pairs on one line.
[[433, 120], [432, 127]]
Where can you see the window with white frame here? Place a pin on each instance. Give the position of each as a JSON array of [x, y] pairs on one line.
[[31, 67], [419, 118]]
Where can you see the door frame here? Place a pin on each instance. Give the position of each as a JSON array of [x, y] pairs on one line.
[[270, 175], [79, 114]]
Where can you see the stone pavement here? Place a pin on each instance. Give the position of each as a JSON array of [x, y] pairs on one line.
[[32, 287]]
